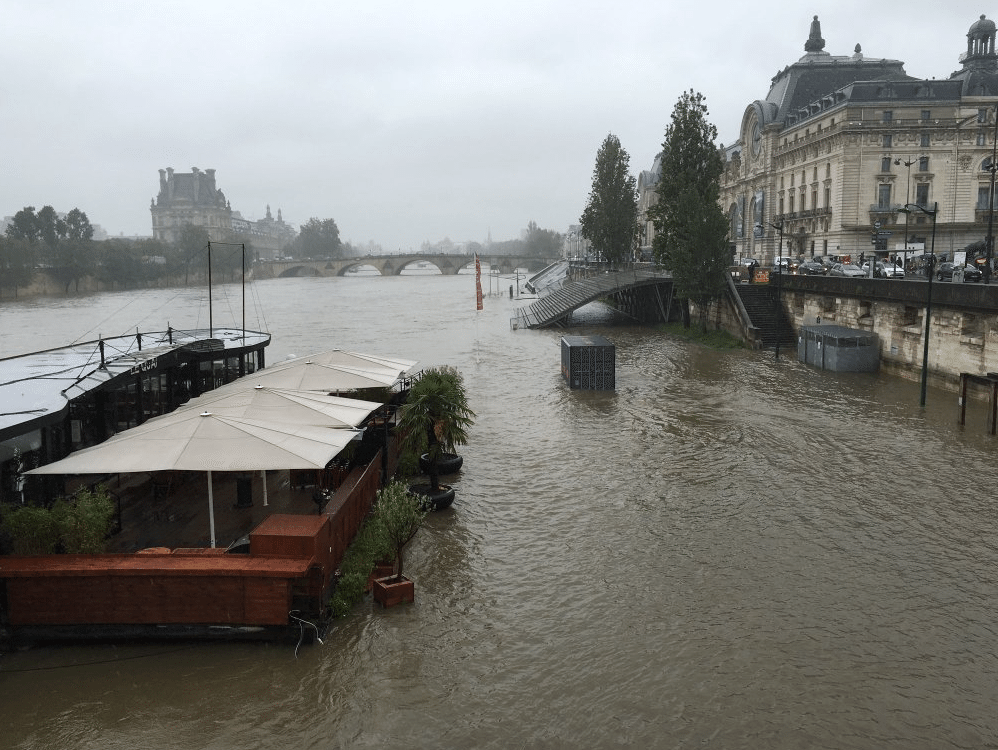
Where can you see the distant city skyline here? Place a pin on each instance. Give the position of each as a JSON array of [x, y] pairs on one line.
[[404, 123]]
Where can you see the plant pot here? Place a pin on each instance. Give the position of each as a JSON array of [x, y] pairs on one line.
[[389, 591], [448, 463], [434, 499], [381, 570]]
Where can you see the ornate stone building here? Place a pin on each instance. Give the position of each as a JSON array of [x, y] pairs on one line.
[[193, 198], [189, 198], [840, 144]]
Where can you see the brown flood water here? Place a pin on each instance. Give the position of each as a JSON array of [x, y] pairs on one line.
[[726, 551]]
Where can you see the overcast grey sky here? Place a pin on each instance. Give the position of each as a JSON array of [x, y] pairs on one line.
[[403, 121]]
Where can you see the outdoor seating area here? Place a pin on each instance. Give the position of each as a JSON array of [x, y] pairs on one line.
[[172, 511]]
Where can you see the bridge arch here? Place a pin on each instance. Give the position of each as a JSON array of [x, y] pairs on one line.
[[391, 265]]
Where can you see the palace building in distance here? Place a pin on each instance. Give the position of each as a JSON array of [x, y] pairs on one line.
[[193, 198]]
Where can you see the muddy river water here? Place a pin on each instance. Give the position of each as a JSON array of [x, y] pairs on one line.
[[725, 551]]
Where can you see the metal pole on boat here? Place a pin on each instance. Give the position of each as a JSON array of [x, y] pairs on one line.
[[211, 512], [244, 318], [211, 327], [263, 475]]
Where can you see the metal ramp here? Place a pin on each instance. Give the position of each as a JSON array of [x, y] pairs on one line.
[[557, 306]]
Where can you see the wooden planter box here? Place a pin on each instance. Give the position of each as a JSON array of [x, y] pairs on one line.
[[388, 592], [381, 570]]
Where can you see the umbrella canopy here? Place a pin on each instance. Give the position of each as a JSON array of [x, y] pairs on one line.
[[332, 371], [343, 358], [282, 405], [191, 440]]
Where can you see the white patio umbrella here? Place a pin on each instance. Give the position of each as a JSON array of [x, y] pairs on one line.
[[331, 372], [191, 440], [281, 405], [343, 358]]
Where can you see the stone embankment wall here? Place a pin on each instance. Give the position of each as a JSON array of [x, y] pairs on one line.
[[44, 285], [963, 332]]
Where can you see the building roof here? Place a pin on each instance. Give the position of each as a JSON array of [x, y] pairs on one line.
[[819, 74], [36, 388]]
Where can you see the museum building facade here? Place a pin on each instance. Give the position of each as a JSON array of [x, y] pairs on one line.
[[826, 162]]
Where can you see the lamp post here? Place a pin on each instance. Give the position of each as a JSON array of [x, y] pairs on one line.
[[990, 241], [907, 200], [928, 297]]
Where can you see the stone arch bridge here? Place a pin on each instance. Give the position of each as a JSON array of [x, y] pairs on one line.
[[393, 265]]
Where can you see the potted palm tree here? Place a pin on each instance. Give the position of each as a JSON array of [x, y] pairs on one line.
[[433, 422], [399, 514]]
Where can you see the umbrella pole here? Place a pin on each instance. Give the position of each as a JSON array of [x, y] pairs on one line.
[[263, 473], [211, 512]]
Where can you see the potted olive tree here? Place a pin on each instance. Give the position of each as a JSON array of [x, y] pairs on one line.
[[400, 514], [434, 421]]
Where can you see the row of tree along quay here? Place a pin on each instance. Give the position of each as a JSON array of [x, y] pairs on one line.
[[690, 228], [65, 250]]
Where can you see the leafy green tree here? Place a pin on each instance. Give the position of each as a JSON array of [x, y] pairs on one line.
[[121, 263], [690, 228], [318, 238], [51, 229], [78, 227], [17, 263], [24, 226], [400, 513], [542, 243], [70, 244], [610, 219]]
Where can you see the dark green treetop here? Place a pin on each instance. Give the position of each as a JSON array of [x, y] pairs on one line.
[[318, 238], [690, 227], [610, 219]]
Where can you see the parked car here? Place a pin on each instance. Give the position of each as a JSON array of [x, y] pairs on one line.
[[846, 269], [893, 271], [972, 273], [828, 261], [884, 271], [747, 262], [811, 268], [944, 272]]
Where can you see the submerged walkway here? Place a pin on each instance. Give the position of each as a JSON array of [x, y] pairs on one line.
[[555, 307]]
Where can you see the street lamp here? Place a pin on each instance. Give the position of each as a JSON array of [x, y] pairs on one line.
[[990, 241], [928, 297], [907, 200]]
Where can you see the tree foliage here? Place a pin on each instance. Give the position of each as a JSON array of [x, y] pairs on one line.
[[435, 416], [24, 226], [318, 238], [610, 218], [541, 243], [17, 263], [400, 513], [690, 227]]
